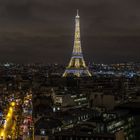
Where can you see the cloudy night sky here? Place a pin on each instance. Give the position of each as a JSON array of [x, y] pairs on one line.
[[43, 30]]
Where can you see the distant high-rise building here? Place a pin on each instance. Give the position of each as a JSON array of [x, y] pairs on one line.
[[77, 66]]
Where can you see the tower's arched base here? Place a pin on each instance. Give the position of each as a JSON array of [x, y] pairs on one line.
[[76, 72]]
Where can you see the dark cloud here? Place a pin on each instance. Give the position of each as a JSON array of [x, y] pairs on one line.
[[43, 30]]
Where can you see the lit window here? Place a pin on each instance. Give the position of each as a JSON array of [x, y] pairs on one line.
[[42, 132]]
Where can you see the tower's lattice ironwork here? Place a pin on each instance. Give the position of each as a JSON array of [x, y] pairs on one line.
[[77, 66]]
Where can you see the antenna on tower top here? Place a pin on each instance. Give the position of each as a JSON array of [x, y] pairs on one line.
[[77, 12]]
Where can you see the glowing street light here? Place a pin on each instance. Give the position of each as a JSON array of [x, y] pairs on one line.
[[12, 104]]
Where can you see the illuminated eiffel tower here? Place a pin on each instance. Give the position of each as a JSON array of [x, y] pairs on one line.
[[77, 66]]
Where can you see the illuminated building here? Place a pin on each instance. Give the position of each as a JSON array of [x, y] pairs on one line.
[[77, 66], [115, 125], [69, 99]]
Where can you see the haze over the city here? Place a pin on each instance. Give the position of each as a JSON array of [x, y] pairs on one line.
[[43, 31]]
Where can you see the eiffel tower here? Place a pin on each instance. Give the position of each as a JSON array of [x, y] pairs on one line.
[[77, 66]]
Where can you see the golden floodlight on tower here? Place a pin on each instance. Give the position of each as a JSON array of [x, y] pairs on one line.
[[77, 66]]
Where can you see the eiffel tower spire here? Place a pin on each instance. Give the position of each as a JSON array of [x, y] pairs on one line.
[[77, 66], [78, 12]]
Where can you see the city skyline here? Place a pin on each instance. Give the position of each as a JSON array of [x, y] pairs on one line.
[[39, 31]]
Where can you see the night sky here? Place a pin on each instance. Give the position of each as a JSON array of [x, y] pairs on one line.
[[43, 30]]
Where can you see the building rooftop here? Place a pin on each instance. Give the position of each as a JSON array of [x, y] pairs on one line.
[[46, 124]]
